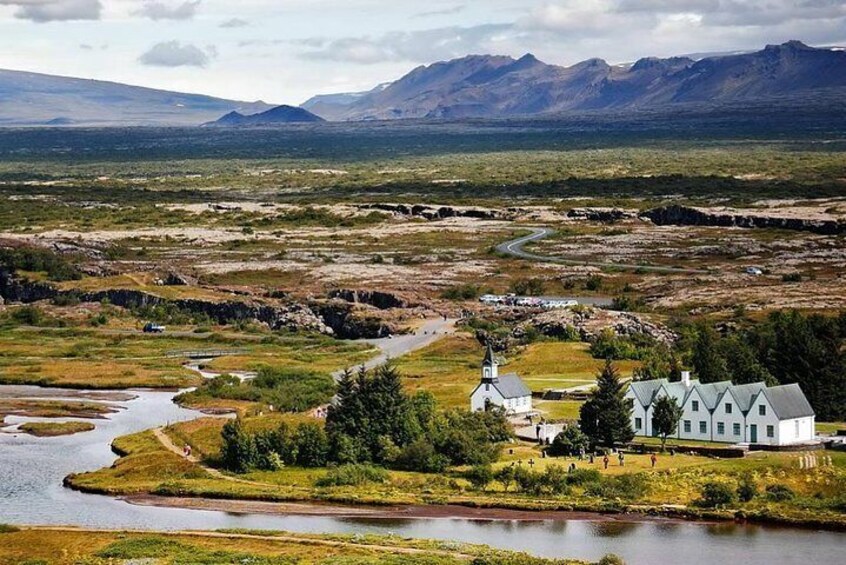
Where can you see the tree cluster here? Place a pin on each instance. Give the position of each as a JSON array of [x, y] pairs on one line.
[[372, 421]]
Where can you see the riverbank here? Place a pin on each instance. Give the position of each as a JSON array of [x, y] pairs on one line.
[[148, 468], [55, 429], [61, 545]]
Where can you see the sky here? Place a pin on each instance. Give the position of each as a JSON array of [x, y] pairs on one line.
[[284, 51]]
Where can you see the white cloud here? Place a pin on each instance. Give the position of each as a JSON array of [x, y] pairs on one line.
[[157, 10], [42, 11], [234, 23], [175, 54], [416, 46]]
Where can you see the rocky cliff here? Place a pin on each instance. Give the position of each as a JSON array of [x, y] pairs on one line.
[[334, 317], [689, 216]]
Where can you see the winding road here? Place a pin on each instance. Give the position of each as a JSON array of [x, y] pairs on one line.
[[514, 248]]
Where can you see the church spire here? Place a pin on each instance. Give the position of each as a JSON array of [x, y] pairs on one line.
[[490, 372]]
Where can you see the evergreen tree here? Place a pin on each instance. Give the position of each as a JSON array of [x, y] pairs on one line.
[[666, 414], [606, 417], [742, 363], [708, 364]]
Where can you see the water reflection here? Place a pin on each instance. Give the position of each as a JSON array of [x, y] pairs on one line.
[[613, 529]]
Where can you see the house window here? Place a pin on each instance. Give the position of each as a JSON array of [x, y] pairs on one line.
[[695, 406], [770, 431], [736, 429], [687, 426], [728, 408], [638, 423], [703, 427], [721, 428], [762, 410]]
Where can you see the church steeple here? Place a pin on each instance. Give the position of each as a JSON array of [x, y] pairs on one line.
[[490, 371]]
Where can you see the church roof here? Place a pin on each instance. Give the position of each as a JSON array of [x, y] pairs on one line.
[[511, 386]]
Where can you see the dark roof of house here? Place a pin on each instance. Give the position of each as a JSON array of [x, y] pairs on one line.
[[511, 386], [788, 401]]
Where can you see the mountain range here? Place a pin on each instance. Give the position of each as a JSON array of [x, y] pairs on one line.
[[482, 86], [32, 99], [476, 86]]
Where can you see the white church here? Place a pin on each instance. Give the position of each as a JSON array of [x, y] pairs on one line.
[[724, 412], [508, 392]]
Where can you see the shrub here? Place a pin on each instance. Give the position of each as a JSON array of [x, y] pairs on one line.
[[791, 277], [568, 442], [480, 476], [611, 559], [716, 494], [584, 477], [421, 456], [462, 292], [8, 529], [593, 283], [628, 487], [748, 488], [527, 287], [780, 493], [353, 475]]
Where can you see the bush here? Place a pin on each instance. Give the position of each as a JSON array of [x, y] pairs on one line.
[[527, 287], [747, 489], [353, 475], [593, 283], [421, 456], [28, 316], [780, 493], [628, 487], [611, 559], [8, 529], [714, 495], [462, 292], [480, 476], [568, 442], [584, 477], [791, 277]]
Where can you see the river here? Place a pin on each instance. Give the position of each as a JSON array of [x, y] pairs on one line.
[[31, 492]]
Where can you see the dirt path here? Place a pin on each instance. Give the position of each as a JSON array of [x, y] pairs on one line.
[[165, 440]]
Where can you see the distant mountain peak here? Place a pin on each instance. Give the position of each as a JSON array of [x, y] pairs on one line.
[[283, 114]]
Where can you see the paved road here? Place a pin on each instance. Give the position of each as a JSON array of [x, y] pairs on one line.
[[391, 348], [514, 248]]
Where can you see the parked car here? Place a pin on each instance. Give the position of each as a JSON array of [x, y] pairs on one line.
[[754, 271], [151, 328]]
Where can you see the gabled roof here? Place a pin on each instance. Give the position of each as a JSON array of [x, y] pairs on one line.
[[644, 391], [744, 394], [511, 386], [788, 402], [710, 393]]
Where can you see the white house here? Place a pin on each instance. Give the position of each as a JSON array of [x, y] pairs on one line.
[[723, 412], [506, 391]]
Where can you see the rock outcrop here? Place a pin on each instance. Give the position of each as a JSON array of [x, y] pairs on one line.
[[381, 300], [677, 215], [436, 212], [334, 317], [605, 215], [590, 322]]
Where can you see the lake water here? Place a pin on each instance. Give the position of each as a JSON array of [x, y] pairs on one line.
[[31, 492]]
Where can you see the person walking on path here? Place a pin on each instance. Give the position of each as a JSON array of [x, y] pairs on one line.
[[654, 460], [605, 461], [621, 458]]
